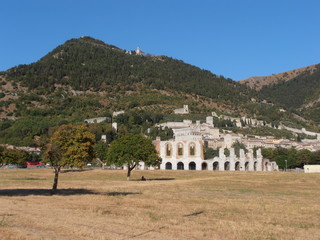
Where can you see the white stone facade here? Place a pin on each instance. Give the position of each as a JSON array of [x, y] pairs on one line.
[[311, 168], [178, 151], [188, 155]]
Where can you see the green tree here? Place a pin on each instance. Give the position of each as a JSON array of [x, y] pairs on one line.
[[12, 156], [227, 152], [315, 157], [69, 145], [267, 153], [303, 157], [237, 146], [210, 153], [101, 152], [130, 150]]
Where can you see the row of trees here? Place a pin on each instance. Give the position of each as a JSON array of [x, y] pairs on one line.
[[13, 156], [74, 146], [292, 157]]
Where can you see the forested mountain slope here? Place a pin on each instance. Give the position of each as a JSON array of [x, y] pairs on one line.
[[85, 78], [300, 94], [260, 82], [89, 64]]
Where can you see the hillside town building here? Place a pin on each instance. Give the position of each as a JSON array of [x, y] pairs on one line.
[[184, 110], [114, 114], [96, 120]]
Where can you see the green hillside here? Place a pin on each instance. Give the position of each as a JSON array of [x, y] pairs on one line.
[[89, 64], [86, 78], [300, 95]]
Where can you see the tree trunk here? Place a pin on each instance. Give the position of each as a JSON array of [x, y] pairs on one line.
[[55, 181], [129, 171]]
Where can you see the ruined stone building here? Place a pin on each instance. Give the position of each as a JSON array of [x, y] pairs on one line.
[[185, 151], [184, 110], [186, 154]]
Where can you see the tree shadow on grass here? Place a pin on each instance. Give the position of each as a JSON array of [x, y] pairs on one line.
[[76, 170], [121, 193], [155, 179], [29, 179], [60, 192]]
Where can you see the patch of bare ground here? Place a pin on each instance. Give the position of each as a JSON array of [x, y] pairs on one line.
[[100, 204], [11, 108]]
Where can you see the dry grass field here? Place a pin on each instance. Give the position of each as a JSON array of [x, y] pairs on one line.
[[101, 204]]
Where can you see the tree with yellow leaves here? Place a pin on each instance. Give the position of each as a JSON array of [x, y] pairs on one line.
[[69, 146]]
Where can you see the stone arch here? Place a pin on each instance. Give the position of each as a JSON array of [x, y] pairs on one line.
[[255, 166], [192, 166], [168, 166], [204, 166], [266, 166], [237, 166], [215, 166], [192, 149], [180, 149], [246, 166], [168, 148], [227, 166], [180, 166]]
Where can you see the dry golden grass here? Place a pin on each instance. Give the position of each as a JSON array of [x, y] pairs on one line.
[[101, 204]]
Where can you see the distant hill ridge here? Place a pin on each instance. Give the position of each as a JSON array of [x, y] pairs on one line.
[[259, 82]]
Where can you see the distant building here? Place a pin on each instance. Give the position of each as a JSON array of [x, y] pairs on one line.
[[184, 110], [137, 52], [115, 126], [311, 168], [95, 120], [114, 114]]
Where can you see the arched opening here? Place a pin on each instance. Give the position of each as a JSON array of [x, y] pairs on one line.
[[227, 166], [180, 166], [204, 166], [255, 166], [168, 149], [266, 166], [168, 166], [216, 166], [246, 166], [192, 166], [237, 166], [192, 149], [180, 149]]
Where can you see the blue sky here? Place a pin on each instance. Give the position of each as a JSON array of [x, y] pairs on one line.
[[237, 39]]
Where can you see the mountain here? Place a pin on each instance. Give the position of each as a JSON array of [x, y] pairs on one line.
[[89, 64], [86, 78], [259, 82]]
